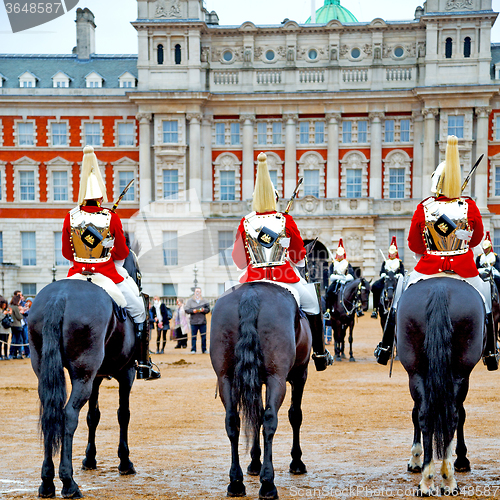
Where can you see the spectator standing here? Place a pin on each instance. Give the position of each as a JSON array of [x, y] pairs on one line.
[[162, 316], [198, 308], [17, 327], [27, 306], [4, 332], [181, 325]]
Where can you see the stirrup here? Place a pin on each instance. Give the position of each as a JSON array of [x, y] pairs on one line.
[[147, 371], [321, 361], [382, 354], [374, 314], [491, 361]]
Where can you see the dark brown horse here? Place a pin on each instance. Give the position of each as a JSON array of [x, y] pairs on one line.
[[258, 338], [342, 307], [384, 306], [72, 325], [440, 338]]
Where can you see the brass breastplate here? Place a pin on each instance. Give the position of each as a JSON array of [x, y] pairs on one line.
[[88, 233], [442, 220], [263, 239]]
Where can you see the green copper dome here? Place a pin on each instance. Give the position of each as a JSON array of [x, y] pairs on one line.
[[333, 10]]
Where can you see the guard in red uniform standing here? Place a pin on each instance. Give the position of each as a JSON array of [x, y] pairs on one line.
[[268, 244], [443, 231], [93, 240]]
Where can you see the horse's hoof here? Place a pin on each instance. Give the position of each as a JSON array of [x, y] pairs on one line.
[[297, 467], [343, 356], [88, 465], [462, 465], [414, 468], [338, 358], [128, 472], [73, 492], [47, 491], [268, 491], [236, 489], [254, 469], [352, 359]]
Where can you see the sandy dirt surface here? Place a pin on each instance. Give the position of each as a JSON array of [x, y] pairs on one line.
[[356, 434]]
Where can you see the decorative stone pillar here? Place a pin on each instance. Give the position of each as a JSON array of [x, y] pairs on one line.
[[248, 121], [145, 178], [206, 155], [418, 157], [332, 180], [376, 155], [290, 153], [481, 175], [429, 164], [194, 174]]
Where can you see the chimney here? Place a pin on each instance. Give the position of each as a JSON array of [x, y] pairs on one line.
[[85, 34]]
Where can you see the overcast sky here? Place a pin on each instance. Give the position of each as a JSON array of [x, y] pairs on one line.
[[115, 35]]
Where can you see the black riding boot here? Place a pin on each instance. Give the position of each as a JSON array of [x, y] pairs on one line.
[[144, 366], [490, 356], [322, 358], [384, 349]]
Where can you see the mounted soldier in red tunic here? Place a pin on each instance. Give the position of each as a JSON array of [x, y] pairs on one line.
[[443, 231], [93, 240], [268, 244]]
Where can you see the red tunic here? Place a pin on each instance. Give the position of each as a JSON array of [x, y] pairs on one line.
[[118, 252], [463, 264], [284, 273]]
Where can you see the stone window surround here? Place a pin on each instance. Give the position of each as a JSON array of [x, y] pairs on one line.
[[1, 132], [26, 164], [312, 160], [117, 135], [274, 162], [170, 163], [49, 133], [59, 165], [3, 178], [354, 130], [397, 128], [468, 122], [269, 132], [232, 164], [496, 129], [83, 135], [181, 129], [16, 133], [408, 171], [227, 134], [494, 163], [312, 132], [346, 163], [125, 164]]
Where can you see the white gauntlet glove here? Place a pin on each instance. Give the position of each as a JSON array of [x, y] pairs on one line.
[[285, 242], [461, 234], [108, 242]]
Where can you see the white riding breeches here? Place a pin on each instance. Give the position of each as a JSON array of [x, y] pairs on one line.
[[135, 303], [307, 295]]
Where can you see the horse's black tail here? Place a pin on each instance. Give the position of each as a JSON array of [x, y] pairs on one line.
[[249, 367], [440, 408], [52, 383]]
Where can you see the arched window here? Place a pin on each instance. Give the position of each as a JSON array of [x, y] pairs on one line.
[[467, 43], [160, 54], [177, 54], [449, 48]]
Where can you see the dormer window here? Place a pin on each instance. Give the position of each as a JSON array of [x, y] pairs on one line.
[[60, 80], [27, 80], [94, 80], [127, 80]]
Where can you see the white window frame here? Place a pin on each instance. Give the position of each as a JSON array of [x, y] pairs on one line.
[[16, 133], [389, 131], [496, 127], [494, 164], [235, 135], [227, 250], [1, 131], [84, 133], [27, 80], [117, 133], [169, 198], [345, 133], [50, 138], [397, 130], [222, 174], [3, 178], [354, 159], [127, 80], [125, 164], [30, 249], [263, 126], [176, 248], [455, 127], [94, 80], [312, 160], [170, 131], [224, 162], [60, 80], [311, 133], [228, 134], [22, 165], [63, 262], [59, 164], [397, 158]]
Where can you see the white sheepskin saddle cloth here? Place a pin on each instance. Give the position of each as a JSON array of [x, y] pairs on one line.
[[106, 284]]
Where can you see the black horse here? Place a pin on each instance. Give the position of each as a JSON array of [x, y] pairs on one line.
[[258, 338], [342, 307], [73, 325], [384, 306], [440, 338]]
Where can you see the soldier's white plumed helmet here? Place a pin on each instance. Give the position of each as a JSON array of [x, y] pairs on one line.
[[264, 197], [91, 183], [393, 248], [447, 178], [487, 241], [341, 249]]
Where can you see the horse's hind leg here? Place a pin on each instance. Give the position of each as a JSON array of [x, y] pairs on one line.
[[236, 487], [255, 453], [449, 484], [125, 381], [462, 463], [351, 328], [295, 417], [415, 462], [275, 394], [80, 394], [47, 489], [93, 417]]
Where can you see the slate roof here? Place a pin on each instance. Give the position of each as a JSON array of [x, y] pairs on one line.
[[45, 66]]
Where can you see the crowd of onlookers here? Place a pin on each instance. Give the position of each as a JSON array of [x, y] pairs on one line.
[[14, 327], [187, 319]]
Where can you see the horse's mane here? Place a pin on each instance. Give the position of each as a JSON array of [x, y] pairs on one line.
[[135, 246]]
